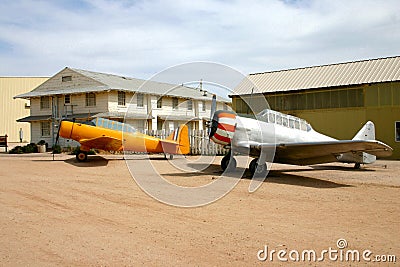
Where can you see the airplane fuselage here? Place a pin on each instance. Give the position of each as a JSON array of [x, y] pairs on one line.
[[122, 137], [267, 132]]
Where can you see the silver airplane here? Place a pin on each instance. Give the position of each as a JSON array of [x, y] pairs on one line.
[[281, 138]]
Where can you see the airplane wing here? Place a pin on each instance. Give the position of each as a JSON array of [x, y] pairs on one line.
[[169, 146], [319, 152], [104, 143]]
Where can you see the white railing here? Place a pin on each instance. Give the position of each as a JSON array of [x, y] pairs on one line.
[[199, 142]]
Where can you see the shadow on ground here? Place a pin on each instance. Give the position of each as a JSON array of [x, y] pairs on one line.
[[279, 177], [92, 161]]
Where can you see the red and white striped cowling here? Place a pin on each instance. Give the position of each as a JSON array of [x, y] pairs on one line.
[[223, 127]]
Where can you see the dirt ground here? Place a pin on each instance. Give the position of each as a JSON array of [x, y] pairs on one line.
[[94, 214]]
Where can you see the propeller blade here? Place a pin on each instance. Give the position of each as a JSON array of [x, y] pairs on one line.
[[213, 106], [213, 109], [58, 133]]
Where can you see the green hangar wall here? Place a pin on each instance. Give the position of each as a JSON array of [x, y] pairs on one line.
[[337, 110]]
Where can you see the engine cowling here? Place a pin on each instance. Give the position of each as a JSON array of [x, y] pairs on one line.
[[223, 127]]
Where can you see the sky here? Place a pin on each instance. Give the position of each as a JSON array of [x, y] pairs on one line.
[[141, 38]]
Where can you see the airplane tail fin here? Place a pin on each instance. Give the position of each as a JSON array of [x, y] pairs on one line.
[[367, 132], [181, 135]]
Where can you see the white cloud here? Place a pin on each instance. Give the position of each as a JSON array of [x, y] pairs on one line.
[[140, 38]]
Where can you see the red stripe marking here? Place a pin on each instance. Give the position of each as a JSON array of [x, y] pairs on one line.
[[222, 138], [226, 127]]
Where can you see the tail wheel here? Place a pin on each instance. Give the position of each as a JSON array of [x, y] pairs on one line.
[[228, 163], [258, 170], [357, 166], [81, 156]]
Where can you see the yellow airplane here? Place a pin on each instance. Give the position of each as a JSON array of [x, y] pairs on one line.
[[112, 135]]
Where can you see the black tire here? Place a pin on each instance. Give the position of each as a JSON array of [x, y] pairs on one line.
[[81, 156], [171, 157], [228, 163], [258, 170], [357, 166]]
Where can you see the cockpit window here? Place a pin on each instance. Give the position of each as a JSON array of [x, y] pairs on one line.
[[279, 119], [114, 125], [291, 123], [271, 117], [285, 121], [297, 124]]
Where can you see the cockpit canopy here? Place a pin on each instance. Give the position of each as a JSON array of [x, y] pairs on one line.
[[113, 125], [271, 116]]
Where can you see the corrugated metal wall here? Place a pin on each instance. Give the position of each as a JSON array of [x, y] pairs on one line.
[[13, 109]]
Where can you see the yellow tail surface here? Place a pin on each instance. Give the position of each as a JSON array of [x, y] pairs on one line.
[[181, 135]]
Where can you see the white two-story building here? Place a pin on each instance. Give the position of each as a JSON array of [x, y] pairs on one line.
[[84, 95]]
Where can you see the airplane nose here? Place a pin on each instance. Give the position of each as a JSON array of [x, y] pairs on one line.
[[223, 127], [66, 129]]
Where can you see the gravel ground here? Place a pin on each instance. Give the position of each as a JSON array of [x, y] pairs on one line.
[[89, 214]]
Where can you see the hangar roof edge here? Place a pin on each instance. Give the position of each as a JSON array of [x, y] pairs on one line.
[[339, 74]]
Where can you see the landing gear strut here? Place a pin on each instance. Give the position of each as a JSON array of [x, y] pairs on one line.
[[258, 170], [228, 163], [81, 156]]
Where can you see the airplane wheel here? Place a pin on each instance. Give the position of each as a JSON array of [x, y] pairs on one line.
[[258, 170], [171, 157], [81, 156], [357, 166], [228, 163]]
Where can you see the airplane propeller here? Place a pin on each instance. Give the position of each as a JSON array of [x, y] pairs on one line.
[[211, 131], [57, 137]]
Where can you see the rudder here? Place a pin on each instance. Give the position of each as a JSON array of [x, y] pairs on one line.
[[367, 132], [181, 135]]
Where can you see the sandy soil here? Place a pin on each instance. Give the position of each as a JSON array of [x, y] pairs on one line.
[[80, 214]]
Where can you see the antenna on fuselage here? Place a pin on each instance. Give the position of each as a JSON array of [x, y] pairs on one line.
[[250, 100]]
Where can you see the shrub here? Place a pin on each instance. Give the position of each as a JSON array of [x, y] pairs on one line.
[[30, 148], [16, 150], [56, 149]]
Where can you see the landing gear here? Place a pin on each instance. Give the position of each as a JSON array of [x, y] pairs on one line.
[[258, 170], [81, 156], [357, 166], [228, 163], [171, 156]]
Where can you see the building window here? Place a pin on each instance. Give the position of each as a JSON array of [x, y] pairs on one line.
[[175, 103], [90, 99], [203, 107], [67, 99], [190, 104], [397, 126], [45, 128], [44, 102], [66, 78], [159, 103], [140, 100], [121, 98]]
